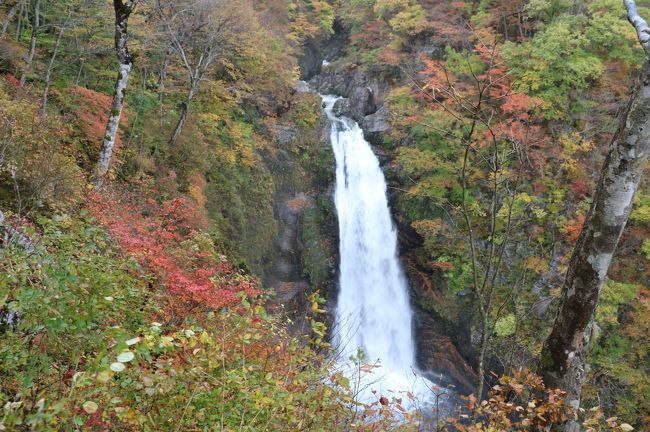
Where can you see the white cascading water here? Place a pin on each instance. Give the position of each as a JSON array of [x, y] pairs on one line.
[[373, 311]]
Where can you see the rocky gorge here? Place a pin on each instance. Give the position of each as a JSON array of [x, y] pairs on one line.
[[305, 250]]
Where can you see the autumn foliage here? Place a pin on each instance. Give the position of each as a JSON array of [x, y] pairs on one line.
[[12, 80], [500, 113], [482, 79], [164, 238], [92, 109], [573, 228], [521, 402]]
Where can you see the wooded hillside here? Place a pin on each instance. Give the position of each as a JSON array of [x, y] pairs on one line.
[[168, 240]]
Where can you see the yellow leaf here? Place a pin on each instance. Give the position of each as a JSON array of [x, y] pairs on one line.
[[205, 338]]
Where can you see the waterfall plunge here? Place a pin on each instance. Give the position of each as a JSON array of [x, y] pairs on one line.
[[373, 311]]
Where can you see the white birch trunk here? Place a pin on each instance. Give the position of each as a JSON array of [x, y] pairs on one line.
[[122, 12], [10, 16], [114, 117]]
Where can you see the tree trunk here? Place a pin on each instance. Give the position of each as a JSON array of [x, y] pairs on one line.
[[10, 16], [122, 12], [19, 24], [162, 76], [50, 67], [32, 46], [185, 108], [79, 73], [564, 353], [481, 360]]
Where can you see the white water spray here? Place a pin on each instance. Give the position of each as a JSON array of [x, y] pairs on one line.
[[373, 311]]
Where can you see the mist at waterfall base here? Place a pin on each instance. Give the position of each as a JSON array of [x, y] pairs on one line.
[[373, 311]]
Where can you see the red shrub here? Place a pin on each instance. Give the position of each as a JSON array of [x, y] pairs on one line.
[[92, 115], [12, 80], [573, 228], [163, 238], [580, 187]]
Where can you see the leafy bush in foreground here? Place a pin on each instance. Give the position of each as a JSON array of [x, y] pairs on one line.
[[81, 349]]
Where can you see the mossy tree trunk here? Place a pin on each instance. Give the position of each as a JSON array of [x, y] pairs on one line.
[[185, 108], [565, 351]]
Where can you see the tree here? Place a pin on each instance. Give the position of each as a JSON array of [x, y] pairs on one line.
[[123, 10], [202, 33], [50, 66], [564, 353], [490, 129], [555, 63], [10, 16], [32, 45]]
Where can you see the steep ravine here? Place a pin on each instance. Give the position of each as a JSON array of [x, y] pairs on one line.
[[443, 345]]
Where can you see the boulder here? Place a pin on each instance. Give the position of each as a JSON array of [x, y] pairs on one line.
[[342, 108], [300, 86], [377, 122], [438, 355]]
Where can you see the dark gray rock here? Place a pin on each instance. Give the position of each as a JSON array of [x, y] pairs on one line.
[[342, 108], [334, 81], [434, 51], [285, 134], [377, 122], [301, 87], [315, 51], [10, 234], [365, 91], [437, 354], [289, 207]]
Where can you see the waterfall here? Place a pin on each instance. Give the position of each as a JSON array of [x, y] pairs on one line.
[[373, 311]]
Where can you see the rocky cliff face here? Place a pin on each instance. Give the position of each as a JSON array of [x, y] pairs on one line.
[[304, 255], [317, 52], [364, 95]]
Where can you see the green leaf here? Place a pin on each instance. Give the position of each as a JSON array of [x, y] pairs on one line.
[[117, 367], [90, 407], [205, 338], [125, 357], [505, 326]]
